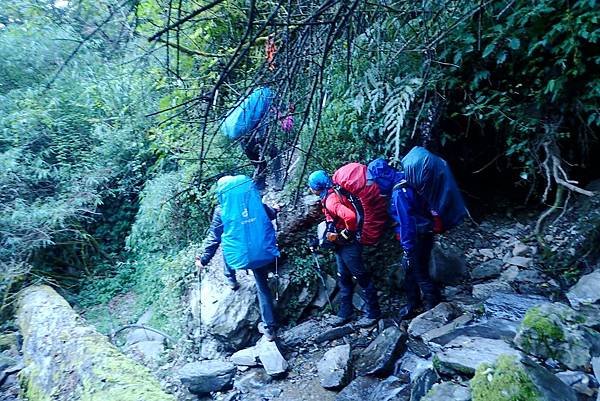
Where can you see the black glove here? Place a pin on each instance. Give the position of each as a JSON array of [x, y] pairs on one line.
[[347, 235]]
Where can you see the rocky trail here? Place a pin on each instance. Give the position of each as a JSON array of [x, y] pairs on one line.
[[504, 327]]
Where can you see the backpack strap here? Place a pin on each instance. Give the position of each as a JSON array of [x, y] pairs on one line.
[[402, 184], [356, 204]]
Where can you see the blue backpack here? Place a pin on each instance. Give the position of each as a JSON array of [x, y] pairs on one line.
[[431, 177], [248, 114], [248, 239]]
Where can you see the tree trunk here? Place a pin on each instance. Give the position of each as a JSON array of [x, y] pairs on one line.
[[65, 359]]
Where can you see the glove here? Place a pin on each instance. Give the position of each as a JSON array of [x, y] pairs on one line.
[[398, 237], [347, 234]]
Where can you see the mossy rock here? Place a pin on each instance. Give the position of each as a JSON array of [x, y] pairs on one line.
[[554, 330], [506, 380]]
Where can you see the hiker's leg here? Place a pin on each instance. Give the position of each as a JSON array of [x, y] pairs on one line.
[[411, 285], [229, 272], [352, 257], [345, 283], [430, 290], [265, 299]]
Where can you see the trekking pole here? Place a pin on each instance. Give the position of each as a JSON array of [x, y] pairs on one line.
[[199, 283], [320, 274]]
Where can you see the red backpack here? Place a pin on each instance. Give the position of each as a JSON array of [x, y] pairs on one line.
[[371, 208]]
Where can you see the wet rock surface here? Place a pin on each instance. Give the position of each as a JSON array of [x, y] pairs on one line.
[[207, 376], [379, 357]]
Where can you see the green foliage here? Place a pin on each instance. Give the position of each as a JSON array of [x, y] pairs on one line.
[[505, 380], [547, 331]]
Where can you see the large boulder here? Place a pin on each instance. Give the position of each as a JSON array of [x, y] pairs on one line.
[[207, 376], [447, 265], [463, 355], [496, 329], [229, 316], [379, 357], [510, 379], [68, 360], [421, 373], [490, 269], [335, 370], [554, 330]]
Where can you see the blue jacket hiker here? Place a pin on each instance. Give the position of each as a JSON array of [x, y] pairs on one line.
[[241, 224], [415, 226]]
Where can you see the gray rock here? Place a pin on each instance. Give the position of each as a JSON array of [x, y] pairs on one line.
[[245, 357], [229, 316], [368, 388], [511, 306], [334, 333], [324, 292], [391, 389], [446, 329], [586, 291], [486, 290], [550, 387], [463, 355], [432, 319], [581, 382], [257, 379], [448, 391], [596, 367], [510, 274], [520, 261], [8, 341], [300, 334], [554, 330], [211, 348], [520, 249], [270, 357], [447, 265], [420, 371], [490, 269], [360, 389], [423, 382], [334, 368], [207, 376], [488, 253], [380, 355], [496, 329], [419, 348]]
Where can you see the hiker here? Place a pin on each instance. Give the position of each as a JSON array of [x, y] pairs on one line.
[[415, 225], [248, 124], [342, 231], [241, 223]]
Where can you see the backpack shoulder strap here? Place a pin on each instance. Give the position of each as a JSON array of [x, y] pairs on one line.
[[401, 185]]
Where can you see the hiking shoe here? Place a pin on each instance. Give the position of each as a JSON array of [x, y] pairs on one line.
[[407, 312], [366, 321], [340, 321], [233, 284], [268, 332]]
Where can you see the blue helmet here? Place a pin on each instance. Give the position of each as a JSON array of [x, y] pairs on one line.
[[319, 181], [384, 175]]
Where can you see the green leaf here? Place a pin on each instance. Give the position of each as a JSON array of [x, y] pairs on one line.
[[488, 49], [514, 43]]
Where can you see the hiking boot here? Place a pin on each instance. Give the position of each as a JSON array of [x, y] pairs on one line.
[[268, 332], [407, 312], [340, 321], [366, 321], [233, 284]]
